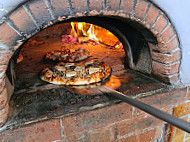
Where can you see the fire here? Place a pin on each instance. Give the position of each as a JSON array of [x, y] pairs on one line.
[[91, 33], [77, 28], [81, 29], [95, 33]]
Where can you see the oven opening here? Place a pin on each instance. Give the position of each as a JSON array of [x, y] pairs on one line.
[[121, 44]]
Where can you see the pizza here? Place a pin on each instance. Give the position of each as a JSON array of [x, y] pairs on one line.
[[83, 73], [67, 55]]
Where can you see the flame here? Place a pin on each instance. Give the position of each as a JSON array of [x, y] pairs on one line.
[[84, 29], [91, 33], [95, 33], [77, 28]]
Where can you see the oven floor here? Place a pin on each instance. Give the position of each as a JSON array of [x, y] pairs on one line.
[[35, 100]]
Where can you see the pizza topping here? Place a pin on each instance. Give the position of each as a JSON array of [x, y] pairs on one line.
[[68, 55], [93, 70], [82, 73], [72, 50], [80, 68], [71, 73], [69, 64], [60, 68]]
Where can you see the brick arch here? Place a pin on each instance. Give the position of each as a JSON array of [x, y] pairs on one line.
[[34, 15]]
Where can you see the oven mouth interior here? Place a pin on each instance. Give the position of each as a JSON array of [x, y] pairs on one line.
[[35, 100]]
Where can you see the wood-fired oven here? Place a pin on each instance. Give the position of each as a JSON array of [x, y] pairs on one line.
[[143, 52]]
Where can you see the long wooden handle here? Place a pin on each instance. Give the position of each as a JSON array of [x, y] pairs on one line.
[[177, 122]]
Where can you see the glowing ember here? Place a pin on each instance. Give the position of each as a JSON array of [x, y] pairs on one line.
[[113, 82]]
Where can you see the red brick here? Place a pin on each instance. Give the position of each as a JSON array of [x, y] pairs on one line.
[[46, 131], [137, 124], [168, 33], [168, 99], [150, 135], [152, 15], [172, 44], [161, 23], [5, 57], [97, 118], [166, 69], [25, 24], [127, 6], [76, 138], [174, 79], [2, 84], [3, 98], [4, 114], [166, 58], [113, 5], [141, 8], [160, 48], [146, 136], [138, 112], [40, 11], [169, 79], [60, 7], [79, 6], [106, 134], [9, 36], [3, 69], [132, 138], [96, 5]]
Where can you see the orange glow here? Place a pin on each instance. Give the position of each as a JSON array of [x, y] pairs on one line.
[[113, 82], [95, 33]]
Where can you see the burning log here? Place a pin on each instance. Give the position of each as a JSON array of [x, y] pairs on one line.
[[85, 32]]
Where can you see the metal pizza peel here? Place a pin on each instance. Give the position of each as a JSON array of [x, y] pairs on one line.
[[109, 87]]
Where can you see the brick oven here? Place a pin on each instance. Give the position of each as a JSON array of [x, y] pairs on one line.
[[151, 65]]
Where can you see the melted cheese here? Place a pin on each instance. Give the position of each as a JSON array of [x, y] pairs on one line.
[[69, 64], [79, 68], [71, 73], [60, 68], [93, 70]]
